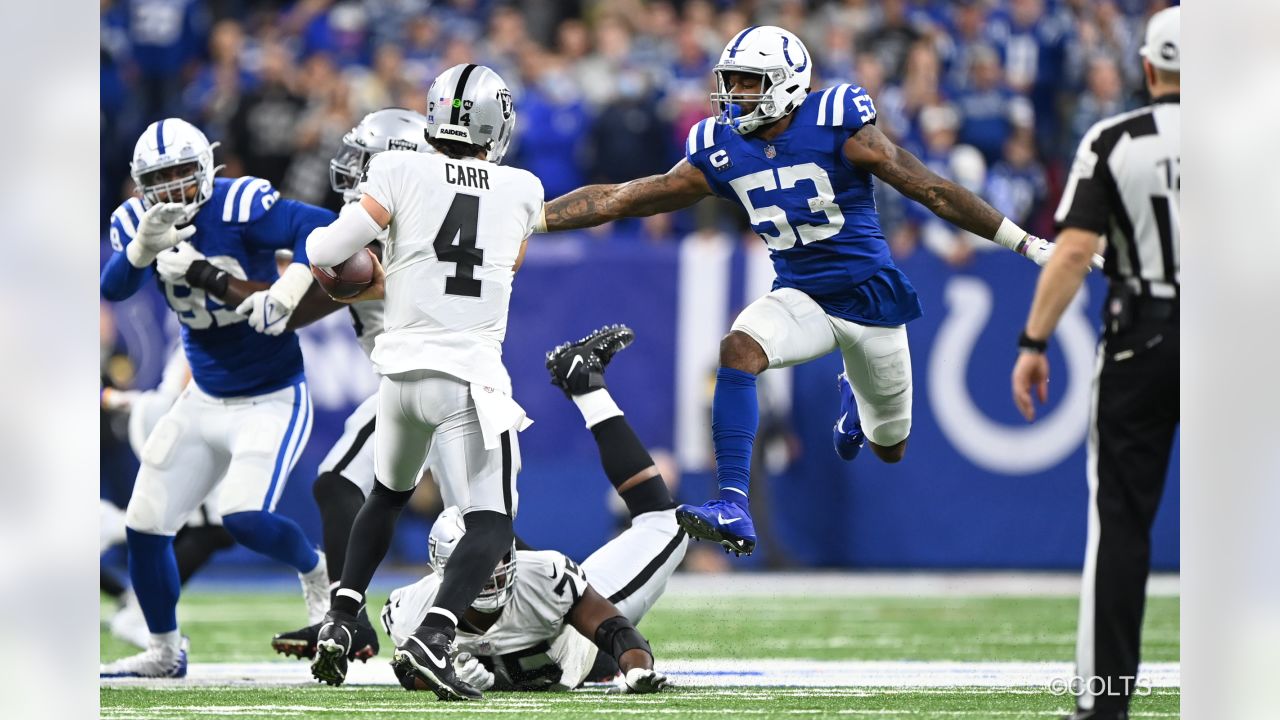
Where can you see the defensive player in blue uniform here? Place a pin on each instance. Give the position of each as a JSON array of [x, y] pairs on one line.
[[800, 163], [241, 425]]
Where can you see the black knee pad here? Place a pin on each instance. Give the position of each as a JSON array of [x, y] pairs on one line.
[[649, 496], [333, 486], [384, 495], [494, 529]]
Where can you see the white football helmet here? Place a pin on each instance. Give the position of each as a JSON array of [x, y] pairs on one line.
[[447, 530], [785, 70], [171, 143], [472, 104], [389, 129]]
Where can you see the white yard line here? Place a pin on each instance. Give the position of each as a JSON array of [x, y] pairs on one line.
[[707, 673]]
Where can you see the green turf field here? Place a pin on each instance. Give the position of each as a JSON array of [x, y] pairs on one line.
[[236, 628]]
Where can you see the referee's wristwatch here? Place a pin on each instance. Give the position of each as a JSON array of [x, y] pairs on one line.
[[1028, 344]]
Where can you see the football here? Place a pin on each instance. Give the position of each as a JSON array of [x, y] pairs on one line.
[[347, 278]]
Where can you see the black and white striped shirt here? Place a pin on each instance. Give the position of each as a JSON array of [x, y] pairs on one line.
[[1125, 184]]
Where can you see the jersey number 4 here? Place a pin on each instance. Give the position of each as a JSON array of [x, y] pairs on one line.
[[460, 225]]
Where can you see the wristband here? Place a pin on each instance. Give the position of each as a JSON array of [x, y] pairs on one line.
[[1026, 343], [202, 274], [1011, 236]]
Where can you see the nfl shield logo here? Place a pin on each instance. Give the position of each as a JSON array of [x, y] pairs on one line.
[[770, 152]]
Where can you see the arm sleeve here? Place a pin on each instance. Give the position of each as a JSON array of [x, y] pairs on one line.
[[120, 278], [286, 225], [1086, 200], [327, 246]]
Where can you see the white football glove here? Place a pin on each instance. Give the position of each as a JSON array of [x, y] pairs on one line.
[[472, 672], [267, 313], [173, 264], [269, 310], [156, 232], [642, 682], [1039, 250]]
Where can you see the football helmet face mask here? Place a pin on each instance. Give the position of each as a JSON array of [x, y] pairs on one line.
[[472, 104], [173, 162], [783, 65], [390, 129], [447, 530]]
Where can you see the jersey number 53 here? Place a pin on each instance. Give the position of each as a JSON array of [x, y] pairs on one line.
[[787, 178]]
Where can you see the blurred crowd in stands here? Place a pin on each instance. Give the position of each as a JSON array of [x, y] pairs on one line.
[[994, 94]]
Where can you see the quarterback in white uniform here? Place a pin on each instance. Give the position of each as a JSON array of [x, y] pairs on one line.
[[542, 622], [345, 476], [449, 266]]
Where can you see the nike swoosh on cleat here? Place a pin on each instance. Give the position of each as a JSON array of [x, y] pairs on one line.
[[840, 423], [723, 521], [430, 655]]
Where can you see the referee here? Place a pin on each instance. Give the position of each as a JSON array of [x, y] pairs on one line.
[[1124, 189]]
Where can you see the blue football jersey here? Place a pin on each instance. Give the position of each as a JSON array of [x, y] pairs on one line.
[[811, 206], [228, 358]]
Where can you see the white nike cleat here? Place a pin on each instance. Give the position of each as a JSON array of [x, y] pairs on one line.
[[129, 625], [315, 590], [159, 660]]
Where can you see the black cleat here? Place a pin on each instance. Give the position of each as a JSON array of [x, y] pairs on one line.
[[425, 662], [578, 368], [302, 643], [334, 641]]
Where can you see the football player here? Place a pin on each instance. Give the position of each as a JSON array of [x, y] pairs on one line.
[[543, 622], [458, 223], [200, 537], [346, 473], [800, 163], [242, 423]]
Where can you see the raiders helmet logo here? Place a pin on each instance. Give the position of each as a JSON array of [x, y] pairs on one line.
[[504, 97], [466, 104]]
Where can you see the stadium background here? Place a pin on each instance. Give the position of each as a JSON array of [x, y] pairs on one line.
[[993, 94]]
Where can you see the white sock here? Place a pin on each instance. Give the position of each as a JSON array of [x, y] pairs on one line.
[[442, 611], [171, 639], [596, 407]]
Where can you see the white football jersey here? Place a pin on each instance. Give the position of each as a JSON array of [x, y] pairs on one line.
[[457, 227], [531, 646]]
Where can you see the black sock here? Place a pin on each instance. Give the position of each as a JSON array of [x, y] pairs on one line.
[[623, 455], [370, 539], [487, 540], [649, 496], [339, 500], [195, 545]]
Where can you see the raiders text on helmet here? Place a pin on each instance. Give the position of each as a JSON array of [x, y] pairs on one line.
[[471, 104]]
